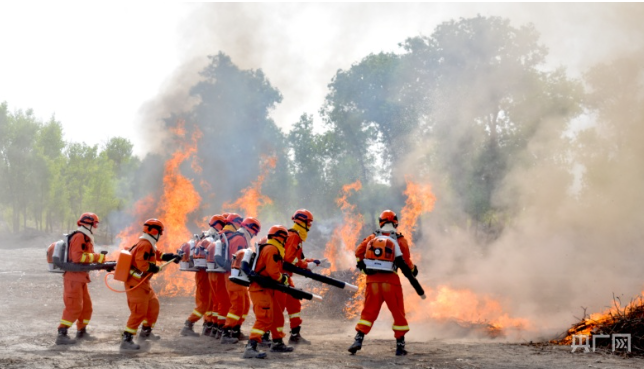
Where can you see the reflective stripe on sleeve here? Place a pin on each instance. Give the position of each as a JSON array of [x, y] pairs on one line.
[[195, 312], [280, 329], [296, 315], [365, 322], [258, 331], [86, 321], [101, 258], [66, 322], [135, 274]]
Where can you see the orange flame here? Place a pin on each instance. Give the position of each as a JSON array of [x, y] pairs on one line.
[[420, 199], [340, 248], [463, 306], [252, 198], [178, 199]]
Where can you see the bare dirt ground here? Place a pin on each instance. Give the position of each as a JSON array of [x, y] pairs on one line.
[[31, 307]]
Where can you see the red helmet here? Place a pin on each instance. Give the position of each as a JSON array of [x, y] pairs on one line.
[[153, 227], [279, 233], [252, 225], [303, 215], [225, 215], [388, 216], [216, 220], [235, 219], [89, 219]]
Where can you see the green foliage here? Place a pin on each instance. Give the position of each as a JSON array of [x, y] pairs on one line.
[[46, 183]]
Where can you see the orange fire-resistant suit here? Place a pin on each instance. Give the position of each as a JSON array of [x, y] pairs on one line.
[[202, 291], [266, 302], [218, 289], [211, 310], [202, 297], [238, 294], [142, 301], [78, 304], [384, 287], [294, 254]]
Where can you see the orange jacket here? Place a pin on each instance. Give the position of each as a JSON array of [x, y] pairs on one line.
[[236, 242], [143, 254], [293, 251], [81, 250], [269, 264], [385, 276]]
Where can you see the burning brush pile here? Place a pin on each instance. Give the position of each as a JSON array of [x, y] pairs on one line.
[[617, 320]]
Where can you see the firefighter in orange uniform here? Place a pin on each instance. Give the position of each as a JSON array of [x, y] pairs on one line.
[[376, 256], [142, 301], [267, 309], [216, 223], [202, 291], [78, 304], [219, 280], [238, 294], [294, 254]]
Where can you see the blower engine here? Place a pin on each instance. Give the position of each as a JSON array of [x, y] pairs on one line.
[[58, 259], [193, 256], [217, 256], [241, 267]]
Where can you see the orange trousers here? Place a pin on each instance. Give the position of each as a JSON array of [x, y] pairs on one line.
[[78, 305], [219, 294], [293, 308], [376, 293], [268, 307], [144, 307], [202, 296], [239, 304]]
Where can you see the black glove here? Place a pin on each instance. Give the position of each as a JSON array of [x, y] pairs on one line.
[[361, 265], [414, 271], [153, 268], [169, 257], [110, 266], [284, 279]]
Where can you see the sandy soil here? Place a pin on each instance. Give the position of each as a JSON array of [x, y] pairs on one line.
[[31, 306]]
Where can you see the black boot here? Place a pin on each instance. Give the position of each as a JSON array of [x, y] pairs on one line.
[[207, 328], [252, 352], [217, 331], [127, 343], [83, 335], [266, 340], [146, 334], [237, 333], [227, 336], [63, 338], [188, 330], [400, 346], [357, 344], [279, 346], [296, 338]]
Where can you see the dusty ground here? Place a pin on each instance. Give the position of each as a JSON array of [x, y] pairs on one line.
[[31, 306]]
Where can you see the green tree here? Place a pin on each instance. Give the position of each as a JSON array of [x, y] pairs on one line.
[[483, 94], [19, 164], [49, 156]]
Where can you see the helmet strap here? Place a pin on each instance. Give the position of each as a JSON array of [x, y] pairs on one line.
[[89, 229]]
